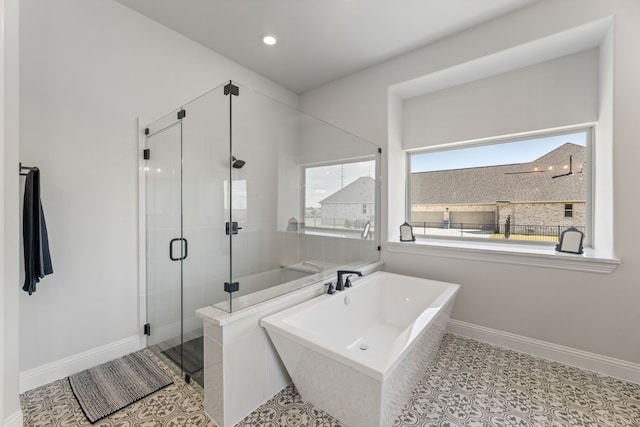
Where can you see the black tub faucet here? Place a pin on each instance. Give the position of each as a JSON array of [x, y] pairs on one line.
[[340, 285]]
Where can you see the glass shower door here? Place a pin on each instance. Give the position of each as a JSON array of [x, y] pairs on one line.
[[166, 247], [187, 183]]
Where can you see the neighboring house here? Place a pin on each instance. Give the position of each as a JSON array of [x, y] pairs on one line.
[[527, 192], [351, 206]]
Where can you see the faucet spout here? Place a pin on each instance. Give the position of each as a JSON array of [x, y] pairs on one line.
[[340, 285]]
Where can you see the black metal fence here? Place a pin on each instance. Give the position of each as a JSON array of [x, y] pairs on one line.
[[339, 223], [548, 233]]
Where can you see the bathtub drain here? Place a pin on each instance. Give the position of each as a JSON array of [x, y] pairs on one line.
[[363, 347]]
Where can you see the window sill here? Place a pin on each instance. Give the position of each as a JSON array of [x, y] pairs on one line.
[[519, 254], [329, 232]]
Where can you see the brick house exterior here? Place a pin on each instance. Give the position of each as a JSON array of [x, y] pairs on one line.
[[542, 192]]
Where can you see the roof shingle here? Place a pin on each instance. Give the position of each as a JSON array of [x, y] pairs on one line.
[[520, 182]]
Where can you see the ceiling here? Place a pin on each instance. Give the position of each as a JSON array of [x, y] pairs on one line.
[[319, 40]]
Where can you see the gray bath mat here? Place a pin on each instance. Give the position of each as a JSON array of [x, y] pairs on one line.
[[107, 388], [192, 355]]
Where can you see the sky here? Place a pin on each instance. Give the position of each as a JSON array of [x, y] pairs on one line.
[[491, 155]]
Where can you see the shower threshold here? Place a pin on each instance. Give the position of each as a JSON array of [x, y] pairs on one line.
[[192, 360]]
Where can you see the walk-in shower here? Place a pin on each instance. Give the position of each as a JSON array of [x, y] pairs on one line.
[[245, 198]]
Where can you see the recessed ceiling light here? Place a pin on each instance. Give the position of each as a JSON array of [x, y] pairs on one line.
[[269, 39]]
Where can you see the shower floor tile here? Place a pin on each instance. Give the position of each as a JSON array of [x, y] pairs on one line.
[[192, 357]]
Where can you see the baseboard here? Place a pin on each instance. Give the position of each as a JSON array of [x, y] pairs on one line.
[[44, 374], [14, 420], [605, 365]]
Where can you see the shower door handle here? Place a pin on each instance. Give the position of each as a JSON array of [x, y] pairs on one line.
[[182, 253]]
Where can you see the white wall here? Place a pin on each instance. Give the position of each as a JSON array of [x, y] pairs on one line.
[[592, 312], [10, 412], [89, 68], [2, 225]]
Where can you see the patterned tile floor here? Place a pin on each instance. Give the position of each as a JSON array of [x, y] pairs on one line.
[[469, 384], [178, 405], [477, 384]]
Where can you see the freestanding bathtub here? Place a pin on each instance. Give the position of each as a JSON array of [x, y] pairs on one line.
[[358, 354]]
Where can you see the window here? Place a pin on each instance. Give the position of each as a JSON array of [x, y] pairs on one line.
[[526, 189], [340, 195], [239, 196], [568, 210]]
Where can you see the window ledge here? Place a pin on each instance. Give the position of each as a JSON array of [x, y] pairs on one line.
[[529, 255], [329, 232]]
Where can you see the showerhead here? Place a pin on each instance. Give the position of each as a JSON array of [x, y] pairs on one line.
[[237, 163]]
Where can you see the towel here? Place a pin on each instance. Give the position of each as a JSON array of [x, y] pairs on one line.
[[37, 259]]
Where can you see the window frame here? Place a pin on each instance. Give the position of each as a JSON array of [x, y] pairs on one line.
[[588, 170]]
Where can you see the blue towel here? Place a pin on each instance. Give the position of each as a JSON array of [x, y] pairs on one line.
[[37, 259]]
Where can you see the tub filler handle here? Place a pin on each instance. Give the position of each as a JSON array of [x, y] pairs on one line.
[[347, 281], [330, 289]]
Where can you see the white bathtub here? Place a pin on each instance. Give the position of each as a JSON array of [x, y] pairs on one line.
[[358, 354]]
